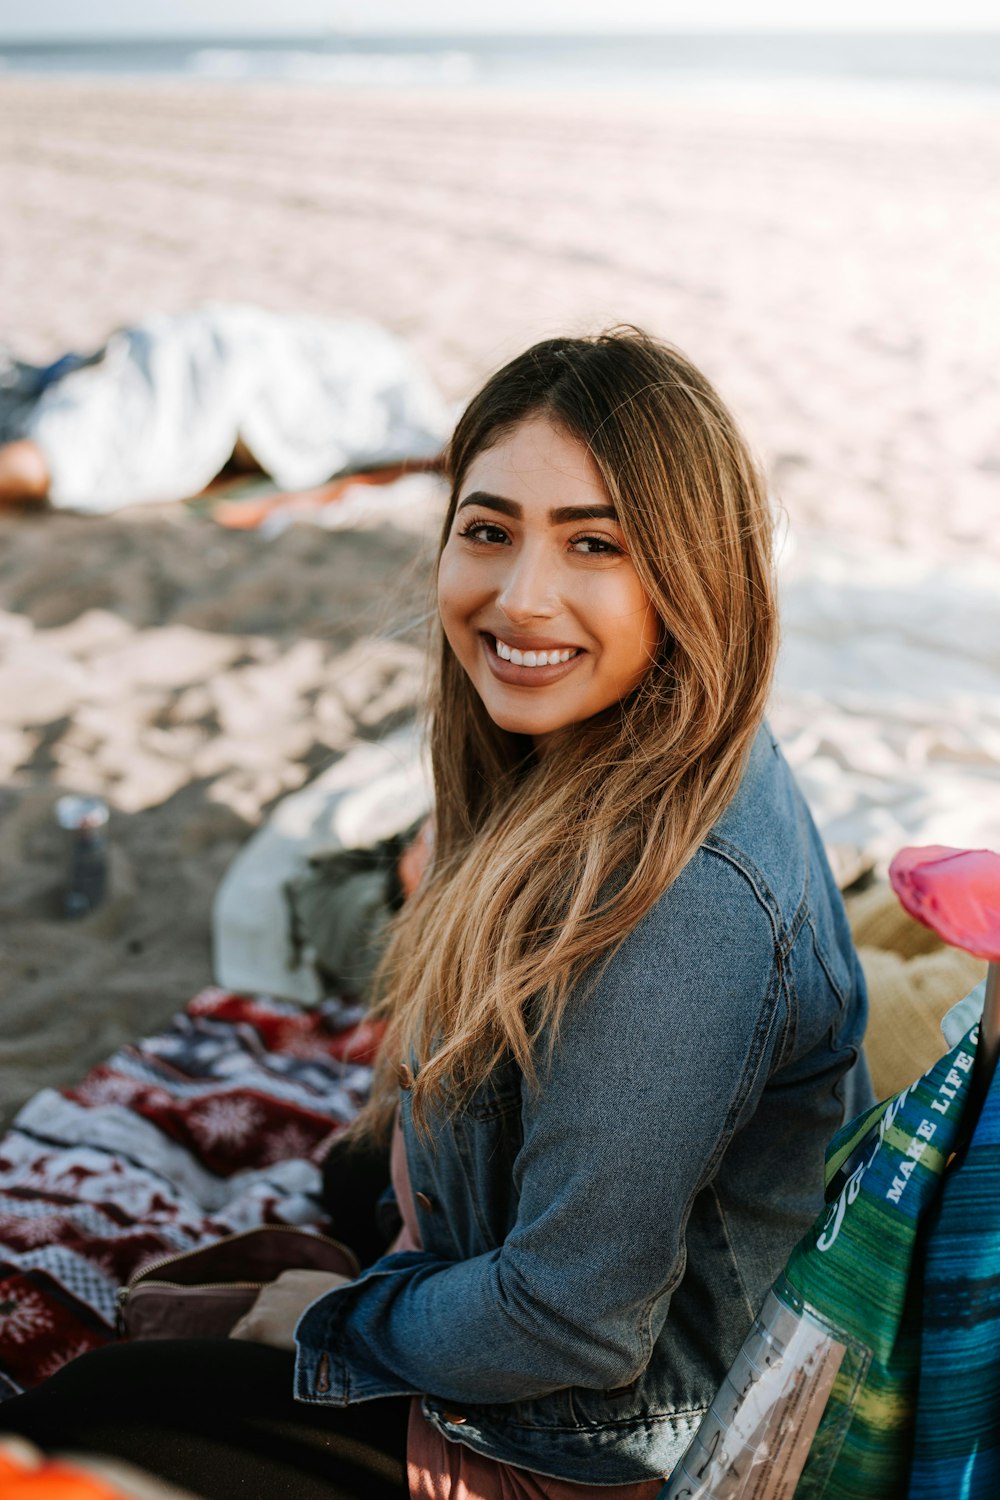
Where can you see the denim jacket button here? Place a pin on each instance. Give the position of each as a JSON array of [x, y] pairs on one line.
[[456, 1418], [427, 1204], [404, 1074]]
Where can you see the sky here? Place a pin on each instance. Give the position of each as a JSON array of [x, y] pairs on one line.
[[97, 18]]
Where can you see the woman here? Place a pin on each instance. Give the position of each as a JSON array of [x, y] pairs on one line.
[[624, 1011]]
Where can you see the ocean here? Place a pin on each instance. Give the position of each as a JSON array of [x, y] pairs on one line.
[[953, 66]]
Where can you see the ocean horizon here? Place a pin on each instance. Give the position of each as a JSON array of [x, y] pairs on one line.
[[951, 66]]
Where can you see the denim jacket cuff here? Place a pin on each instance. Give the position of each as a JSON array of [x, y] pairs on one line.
[[323, 1375]]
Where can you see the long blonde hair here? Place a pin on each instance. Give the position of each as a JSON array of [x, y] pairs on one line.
[[543, 865]]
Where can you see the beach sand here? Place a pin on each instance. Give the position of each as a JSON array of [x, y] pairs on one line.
[[833, 270]]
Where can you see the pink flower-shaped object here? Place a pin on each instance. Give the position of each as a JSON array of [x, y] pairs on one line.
[[955, 892]]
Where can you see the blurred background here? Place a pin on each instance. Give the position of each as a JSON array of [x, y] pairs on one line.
[[806, 204]]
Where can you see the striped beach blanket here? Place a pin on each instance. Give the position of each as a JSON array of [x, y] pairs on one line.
[[956, 1448], [217, 1124]]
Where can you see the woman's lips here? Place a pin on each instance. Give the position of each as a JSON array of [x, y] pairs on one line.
[[521, 676]]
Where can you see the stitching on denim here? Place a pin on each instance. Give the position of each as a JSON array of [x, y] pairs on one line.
[[684, 1414], [465, 1157], [506, 1104], [498, 1101], [758, 1041], [715, 843], [751, 1309], [821, 951], [795, 924], [792, 1011], [783, 934], [646, 1340], [826, 966], [801, 918]]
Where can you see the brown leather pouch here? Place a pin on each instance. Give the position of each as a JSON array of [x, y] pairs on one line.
[[203, 1293]]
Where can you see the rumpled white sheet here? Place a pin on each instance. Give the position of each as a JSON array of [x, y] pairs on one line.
[[161, 413], [888, 694]]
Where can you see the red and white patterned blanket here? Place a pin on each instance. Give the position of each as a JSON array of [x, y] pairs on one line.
[[215, 1125]]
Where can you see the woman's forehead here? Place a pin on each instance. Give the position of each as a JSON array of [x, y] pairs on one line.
[[536, 466]]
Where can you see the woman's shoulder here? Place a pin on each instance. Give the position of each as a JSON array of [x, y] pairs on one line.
[[722, 926], [767, 835], [756, 874]]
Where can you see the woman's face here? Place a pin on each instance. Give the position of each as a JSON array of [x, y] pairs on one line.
[[538, 596]]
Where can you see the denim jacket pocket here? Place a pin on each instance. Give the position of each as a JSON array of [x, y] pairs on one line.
[[486, 1138], [499, 1095], [469, 1165]]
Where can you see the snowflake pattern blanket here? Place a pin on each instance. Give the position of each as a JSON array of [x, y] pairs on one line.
[[216, 1125]]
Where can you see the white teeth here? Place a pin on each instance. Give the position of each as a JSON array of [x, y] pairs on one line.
[[532, 658]]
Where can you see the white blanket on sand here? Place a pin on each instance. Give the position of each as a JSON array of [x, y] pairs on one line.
[[887, 699], [159, 414]]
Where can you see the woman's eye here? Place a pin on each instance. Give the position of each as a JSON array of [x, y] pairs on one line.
[[595, 546], [484, 531]]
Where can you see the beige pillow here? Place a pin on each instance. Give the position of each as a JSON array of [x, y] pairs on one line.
[[913, 980]]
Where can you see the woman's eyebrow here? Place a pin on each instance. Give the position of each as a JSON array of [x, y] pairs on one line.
[[582, 513], [557, 517], [492, 502]]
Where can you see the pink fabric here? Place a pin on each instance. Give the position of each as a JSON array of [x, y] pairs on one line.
[[955, 892], [440, 1470], [408, 1237]]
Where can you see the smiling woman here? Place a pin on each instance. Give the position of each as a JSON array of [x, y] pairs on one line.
[[539, 598], [623, 1014]]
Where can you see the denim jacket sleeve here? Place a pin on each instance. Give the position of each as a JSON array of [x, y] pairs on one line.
[[657, 1063]]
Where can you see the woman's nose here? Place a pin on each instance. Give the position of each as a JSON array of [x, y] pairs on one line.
[[529, 590]]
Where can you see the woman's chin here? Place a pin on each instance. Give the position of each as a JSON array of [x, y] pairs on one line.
[[527, 729]]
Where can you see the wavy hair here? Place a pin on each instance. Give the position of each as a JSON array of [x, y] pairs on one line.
[[543, 865]]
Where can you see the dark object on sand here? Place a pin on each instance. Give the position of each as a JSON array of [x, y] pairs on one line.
[[85, 819]]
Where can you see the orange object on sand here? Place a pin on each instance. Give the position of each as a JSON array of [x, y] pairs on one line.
[[247, 514], [27, 1476]]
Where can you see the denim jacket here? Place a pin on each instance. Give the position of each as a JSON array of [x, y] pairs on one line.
[[594, 1251]]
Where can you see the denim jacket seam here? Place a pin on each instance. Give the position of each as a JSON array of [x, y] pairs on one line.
[[677, 1414], [505, 1101], [755, 1058], [784, 933], [495, 1112], [824, 961], [789, 932], [751, 1309], [646, 1340], [733, 855], [810, 918], [787, 1049], [465, 1156]]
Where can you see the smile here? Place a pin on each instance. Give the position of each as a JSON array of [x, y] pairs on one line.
[[525, 668], [532, 658]]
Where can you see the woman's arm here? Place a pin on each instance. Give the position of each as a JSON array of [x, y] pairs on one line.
[[654, 1070]]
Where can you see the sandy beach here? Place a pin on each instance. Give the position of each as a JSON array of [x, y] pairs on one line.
[[834, 271]]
